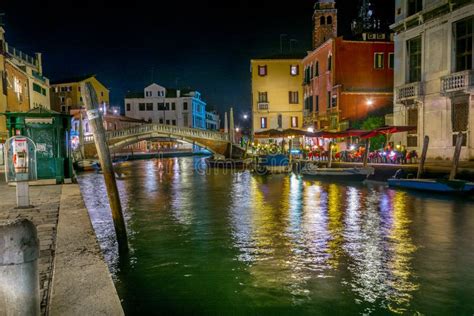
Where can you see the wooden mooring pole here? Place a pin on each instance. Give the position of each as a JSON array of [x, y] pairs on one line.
[[366, 153], [421, 165], [457, 156], [97, 127]]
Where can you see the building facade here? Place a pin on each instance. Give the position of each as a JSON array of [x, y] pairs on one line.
[[159, 105], [213, 121], [66, 94], [277, 93], [345, 80], [434, 78], [23, 85]]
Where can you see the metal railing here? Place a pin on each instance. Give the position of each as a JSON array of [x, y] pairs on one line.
[[459, 81], [410, 91], [167, 130]]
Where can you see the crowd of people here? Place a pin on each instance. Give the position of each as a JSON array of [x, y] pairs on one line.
[[389, 154]]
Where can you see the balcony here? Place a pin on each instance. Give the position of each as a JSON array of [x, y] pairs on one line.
[[263, 106], [409, 92], [462, 81]]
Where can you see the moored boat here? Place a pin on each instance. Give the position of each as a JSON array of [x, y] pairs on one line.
[[228, 163], [433, 185], [272, 164], [86, 165], [338, 174]]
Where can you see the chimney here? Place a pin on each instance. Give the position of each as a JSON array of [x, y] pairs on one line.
[[39, 63], [178, 93]]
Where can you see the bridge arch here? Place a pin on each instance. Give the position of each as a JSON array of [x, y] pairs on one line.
[[216, 142], [115, 146]]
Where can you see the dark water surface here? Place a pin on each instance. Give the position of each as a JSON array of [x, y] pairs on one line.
[[221, 243]]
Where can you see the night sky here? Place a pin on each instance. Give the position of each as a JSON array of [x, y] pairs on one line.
[[206, 45]]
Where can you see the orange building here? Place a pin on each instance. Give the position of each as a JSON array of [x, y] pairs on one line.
[[345, 80], [18, 98]]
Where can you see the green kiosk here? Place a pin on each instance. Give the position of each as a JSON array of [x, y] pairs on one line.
[[49, 130]]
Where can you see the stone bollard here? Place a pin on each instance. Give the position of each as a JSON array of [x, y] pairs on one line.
[[19, 281]]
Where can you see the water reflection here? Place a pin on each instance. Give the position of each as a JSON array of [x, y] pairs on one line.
[[274, 242]]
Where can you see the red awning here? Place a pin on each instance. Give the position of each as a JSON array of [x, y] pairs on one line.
[[388, 130]]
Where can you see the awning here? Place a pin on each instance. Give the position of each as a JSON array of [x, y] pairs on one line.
[[389, 130]]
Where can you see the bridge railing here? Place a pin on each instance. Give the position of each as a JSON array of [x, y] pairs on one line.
[[162, 129]]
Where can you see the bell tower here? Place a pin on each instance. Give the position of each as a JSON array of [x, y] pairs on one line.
[[324, 21]]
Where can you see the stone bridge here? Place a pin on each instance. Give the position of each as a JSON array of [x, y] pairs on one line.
[[216, 142]]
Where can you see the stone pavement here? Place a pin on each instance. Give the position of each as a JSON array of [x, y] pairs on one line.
[[44, 215], [74, 277], [82, 284]]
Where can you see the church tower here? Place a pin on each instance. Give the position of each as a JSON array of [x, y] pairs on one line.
[[325, 22]]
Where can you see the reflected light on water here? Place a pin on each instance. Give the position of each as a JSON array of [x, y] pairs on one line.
[[263, 244]]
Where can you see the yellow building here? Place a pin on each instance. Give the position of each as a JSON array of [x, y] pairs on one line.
[[66, 94], [277, 93]]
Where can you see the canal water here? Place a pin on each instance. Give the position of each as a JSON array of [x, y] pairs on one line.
[[214, 242]]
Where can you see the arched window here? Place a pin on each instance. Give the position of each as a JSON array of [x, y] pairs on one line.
[[329, 62], [329, 20], [322, 20]]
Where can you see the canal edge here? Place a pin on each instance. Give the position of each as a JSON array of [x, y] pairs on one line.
[[81, 282]]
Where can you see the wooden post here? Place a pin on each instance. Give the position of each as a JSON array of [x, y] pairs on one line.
[[330, 155], [231, 131], [457, 155], [421, 165], [97, 127], [81, 135], [290, 147], [366, 153]]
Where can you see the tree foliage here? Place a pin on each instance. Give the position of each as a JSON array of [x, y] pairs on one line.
[[371, 123]]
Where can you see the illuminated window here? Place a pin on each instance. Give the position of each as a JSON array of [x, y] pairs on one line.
[[263, 97], [293, 97], [263, 122], [378, 60], [262, 70], [294, 70], [294, 121]]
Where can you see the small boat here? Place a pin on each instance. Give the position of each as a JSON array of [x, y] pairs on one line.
[[86, 165], [228, 163], [450, 186], [337, 174], [434, 185], [272, 164]]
